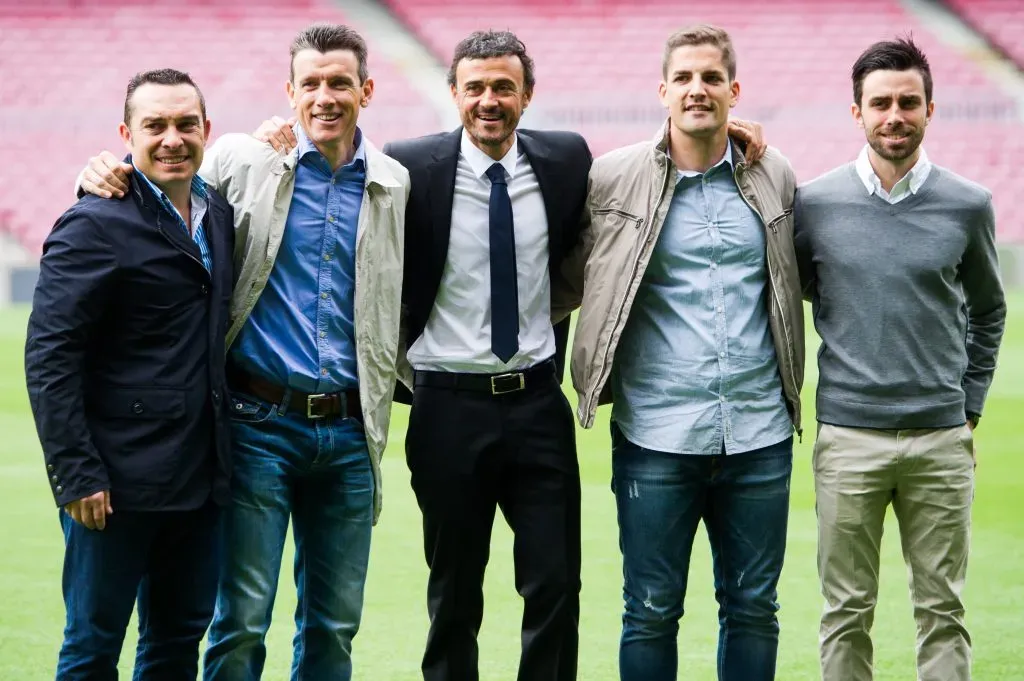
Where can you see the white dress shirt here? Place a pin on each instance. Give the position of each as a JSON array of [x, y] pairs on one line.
[[457, 336], [907, 185]]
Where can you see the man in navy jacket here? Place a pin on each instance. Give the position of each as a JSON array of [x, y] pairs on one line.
[[125, 370]]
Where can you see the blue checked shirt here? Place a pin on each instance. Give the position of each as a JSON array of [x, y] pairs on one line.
[[199, 205], [695, 371]]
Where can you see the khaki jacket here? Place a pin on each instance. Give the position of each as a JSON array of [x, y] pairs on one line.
[[258, 182], [630, 192]]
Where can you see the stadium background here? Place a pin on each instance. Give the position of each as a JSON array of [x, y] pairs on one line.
[[63, 68]]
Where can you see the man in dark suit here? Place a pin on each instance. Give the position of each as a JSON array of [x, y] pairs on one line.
[[492, 212], [125, 370]]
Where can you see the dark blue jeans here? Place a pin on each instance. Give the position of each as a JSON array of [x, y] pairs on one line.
[[316, 474], [743, 500], [169, 561]]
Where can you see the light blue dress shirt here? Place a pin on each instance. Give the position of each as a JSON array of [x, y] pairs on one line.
[[301, 334], [695, 371]]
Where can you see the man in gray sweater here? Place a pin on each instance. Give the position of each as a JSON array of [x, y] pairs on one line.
[[898, 257]]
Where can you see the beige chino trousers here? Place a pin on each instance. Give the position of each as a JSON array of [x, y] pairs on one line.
[[928, 477]]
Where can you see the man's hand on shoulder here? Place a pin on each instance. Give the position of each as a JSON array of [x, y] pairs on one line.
[[106, 176], [752, 133], [278, 133]]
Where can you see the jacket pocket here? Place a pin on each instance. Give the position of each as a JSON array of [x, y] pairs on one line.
[[636, 220], [140, 403], [778, 220], [141, 434]]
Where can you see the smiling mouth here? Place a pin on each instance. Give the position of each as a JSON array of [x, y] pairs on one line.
[[698, 108], [327, 117], [173, 160]]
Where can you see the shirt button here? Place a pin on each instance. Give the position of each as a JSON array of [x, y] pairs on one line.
[[205, 290], [720, 309], [714, 266], [721, 398], [138, 408], [324, 296], [59, 490], [49, 467], [323, 334], [323, 372], [216, 396], [53, 479], [327, 256], [721, 354], [330, 218]]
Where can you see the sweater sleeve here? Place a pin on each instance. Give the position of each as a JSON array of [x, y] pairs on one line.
[[986, 307]]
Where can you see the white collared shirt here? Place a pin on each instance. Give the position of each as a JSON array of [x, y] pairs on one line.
[[457, 336], [908, 184]]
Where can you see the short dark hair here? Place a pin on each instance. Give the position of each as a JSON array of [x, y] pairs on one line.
[[323, 38], [701, 34], [891, 55], [488, 44], [159, 77]]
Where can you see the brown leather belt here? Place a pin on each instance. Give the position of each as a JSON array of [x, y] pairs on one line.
[[311, 405]]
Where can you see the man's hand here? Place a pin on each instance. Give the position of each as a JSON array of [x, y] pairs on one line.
[[91, 511], [106, 176], [753, 134], [278, 133]]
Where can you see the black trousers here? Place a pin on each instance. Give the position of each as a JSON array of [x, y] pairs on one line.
[[469, 453]]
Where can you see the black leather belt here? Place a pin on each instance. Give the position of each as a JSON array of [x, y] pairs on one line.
[[494, 384], [311, 405]]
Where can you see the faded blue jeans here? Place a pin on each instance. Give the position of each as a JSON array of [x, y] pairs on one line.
[[317, 474], [743, 500]]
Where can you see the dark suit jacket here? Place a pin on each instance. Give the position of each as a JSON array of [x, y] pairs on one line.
[[561, 161], [125, 354]]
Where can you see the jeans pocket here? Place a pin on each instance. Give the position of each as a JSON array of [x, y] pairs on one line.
[[248, 410]]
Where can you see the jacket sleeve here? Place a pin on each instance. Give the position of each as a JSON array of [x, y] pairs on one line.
[[567, 282], [76, 275], [986, 308]]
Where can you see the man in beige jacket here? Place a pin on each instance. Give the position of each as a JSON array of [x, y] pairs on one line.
[[691, 325], [314, 351]]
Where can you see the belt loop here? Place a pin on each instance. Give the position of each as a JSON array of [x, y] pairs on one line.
[[286, 399], [343, 400]]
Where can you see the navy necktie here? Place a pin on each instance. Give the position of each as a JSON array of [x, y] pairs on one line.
[[504, 283]]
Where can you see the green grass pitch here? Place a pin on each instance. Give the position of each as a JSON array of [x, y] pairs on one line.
[[389, 645]]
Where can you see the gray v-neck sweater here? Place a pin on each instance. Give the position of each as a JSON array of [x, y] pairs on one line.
[[906, 298]]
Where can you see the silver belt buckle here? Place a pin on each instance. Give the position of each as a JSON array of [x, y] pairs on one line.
[[309, 405], [513, 386]]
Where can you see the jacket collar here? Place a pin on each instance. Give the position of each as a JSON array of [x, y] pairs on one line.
[[378, 172], [660, 147]]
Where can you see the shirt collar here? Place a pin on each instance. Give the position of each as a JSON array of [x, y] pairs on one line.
[[726, 158], [198, 186], [305, 146], [479, 162], [912, 181]]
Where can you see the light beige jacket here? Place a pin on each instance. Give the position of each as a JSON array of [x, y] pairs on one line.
[[258, 183], [630, 191]]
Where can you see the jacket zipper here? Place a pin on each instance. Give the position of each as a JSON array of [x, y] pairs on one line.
[[775, 293], [629, 216], [786, 213]]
